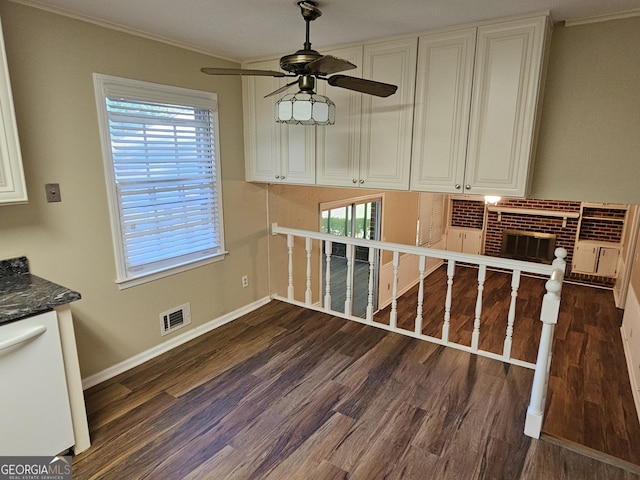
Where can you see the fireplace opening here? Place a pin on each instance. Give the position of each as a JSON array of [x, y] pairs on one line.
[[529, 246]]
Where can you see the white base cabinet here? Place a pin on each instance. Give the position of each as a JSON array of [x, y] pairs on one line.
[[34, 408], [464, 240], [477, 102], [595, 258]]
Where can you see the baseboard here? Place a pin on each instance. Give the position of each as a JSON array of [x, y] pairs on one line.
[[591, 453], [632, 308], [164, 347]]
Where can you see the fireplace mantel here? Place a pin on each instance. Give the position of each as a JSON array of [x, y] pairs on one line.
[[534, 212]]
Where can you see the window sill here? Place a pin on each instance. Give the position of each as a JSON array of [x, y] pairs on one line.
[[158, 274]]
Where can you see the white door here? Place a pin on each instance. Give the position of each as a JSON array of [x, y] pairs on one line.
[[359, 219]]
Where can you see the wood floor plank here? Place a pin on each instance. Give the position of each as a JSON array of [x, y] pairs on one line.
[[312, 396]]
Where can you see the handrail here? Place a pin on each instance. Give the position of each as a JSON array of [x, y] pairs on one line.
[[493, 262], [548, 315]]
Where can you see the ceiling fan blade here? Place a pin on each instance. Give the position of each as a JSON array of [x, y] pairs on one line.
[[369, 87], [281, 89], [239, 71], [328, 64]]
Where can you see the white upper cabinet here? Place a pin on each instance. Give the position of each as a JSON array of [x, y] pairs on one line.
[[501, 99], [12, 185], [370, 144], [274, 152], [338, 145], [443, 102], [385, 152]]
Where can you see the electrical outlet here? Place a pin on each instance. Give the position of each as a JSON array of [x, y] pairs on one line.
[[245, 281]]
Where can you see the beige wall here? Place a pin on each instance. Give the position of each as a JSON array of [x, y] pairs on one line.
[[51, 60], [589, 142]]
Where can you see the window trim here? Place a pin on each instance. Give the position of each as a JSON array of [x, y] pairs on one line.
[[106, 85]]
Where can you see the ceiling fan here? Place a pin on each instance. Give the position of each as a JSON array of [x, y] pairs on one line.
[[307, 65]]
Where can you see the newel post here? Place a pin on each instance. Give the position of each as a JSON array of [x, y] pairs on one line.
[[549, 318]]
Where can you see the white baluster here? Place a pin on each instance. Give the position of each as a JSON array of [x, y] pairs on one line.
[[372, 274], [451, 267], [307, 293], [348, 303], [421, 268], [393, 318], [515, 284], [475, 337], [290, 283], [327, 274]]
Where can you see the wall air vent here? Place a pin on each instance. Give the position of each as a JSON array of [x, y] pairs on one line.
[[174, 319]]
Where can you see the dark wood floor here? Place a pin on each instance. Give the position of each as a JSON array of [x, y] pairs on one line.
[[288, 393], [590, 402]]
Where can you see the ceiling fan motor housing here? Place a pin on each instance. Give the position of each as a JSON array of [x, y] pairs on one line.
[[297, 62]]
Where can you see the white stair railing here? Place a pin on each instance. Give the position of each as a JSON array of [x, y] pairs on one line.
[[549, 310]]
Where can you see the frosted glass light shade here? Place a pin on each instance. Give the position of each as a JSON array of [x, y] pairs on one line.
[[305, 109]]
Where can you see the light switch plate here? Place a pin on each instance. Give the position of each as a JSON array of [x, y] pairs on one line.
[[53, 192]]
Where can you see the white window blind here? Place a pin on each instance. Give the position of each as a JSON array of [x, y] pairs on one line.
[[164, 175], [430, 218]]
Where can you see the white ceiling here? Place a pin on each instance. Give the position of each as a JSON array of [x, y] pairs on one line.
[[249, 29]]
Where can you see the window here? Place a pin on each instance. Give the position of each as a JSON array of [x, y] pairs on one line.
[[161, 155]]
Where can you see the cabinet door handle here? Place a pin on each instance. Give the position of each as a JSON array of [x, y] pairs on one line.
[[354, 180], [468, 187], [361, 182], [23, 337], [277, 177], [458, 186]]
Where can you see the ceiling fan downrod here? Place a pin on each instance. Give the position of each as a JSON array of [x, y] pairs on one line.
[[310, 12]]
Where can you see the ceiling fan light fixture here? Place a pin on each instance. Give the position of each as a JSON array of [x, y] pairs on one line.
[[304, 108]]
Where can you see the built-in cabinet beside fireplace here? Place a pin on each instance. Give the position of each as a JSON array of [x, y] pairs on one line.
[[599, 240]]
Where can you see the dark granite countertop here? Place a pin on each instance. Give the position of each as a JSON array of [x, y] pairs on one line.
[[23, 294]]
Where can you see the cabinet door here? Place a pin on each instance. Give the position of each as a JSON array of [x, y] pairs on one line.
[[443, 102], [506, 88], [607, 262], [12, 185], [34, 407], [387, 122], [338, 146], [455, 237], [261, 132], [472, 242], [297, 153], [584, 258], [274, 152]]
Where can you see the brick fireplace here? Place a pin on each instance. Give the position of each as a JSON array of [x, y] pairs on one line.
[[471, 214]]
